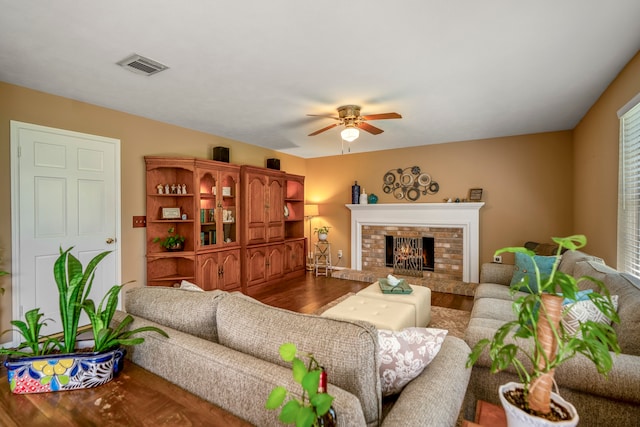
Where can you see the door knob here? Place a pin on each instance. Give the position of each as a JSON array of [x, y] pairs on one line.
[[110, 240]]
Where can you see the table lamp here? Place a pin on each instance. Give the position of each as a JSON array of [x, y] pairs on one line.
[[310, 211]]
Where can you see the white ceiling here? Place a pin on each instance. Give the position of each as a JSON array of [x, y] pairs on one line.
[[251, 70]]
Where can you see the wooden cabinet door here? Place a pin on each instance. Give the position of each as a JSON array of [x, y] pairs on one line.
[[230, 263], [294, 256], [256, 266], [275, 261], [208, 272], [275, 211], [255, 199]]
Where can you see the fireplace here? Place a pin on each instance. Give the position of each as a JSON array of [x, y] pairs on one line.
[[409, 255], [455, 228]]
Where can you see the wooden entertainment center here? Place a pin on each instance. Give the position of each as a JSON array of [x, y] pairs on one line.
[[243, 225]]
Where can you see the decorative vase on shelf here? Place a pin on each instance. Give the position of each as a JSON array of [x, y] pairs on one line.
[[363, 197], [177, 247], [355, 193], [322, 237]]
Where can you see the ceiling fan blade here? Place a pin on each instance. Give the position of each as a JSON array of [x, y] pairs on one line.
[[328, 116], [323, 129], [382, 116], [371, 129]]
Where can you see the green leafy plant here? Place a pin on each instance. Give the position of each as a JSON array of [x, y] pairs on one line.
[[171, 241], [74, 285], [538, 323], [303, 412], [322, 230], [105, 337], [30, 331]]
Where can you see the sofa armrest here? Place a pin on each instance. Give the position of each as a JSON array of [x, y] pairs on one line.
[[496, 273], [435, 397]]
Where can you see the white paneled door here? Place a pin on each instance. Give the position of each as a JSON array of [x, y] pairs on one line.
[[65, 192]]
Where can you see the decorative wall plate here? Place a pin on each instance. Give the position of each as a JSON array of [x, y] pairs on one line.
[[409, 183]]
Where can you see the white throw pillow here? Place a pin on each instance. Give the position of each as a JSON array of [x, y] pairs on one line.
[[404, 355], [188, 286], [579, 312]]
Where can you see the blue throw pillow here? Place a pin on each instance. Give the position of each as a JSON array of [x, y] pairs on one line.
[[580, 296], [524, 268]]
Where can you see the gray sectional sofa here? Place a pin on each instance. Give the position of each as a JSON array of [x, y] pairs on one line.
[[223, 347], [612, 401]]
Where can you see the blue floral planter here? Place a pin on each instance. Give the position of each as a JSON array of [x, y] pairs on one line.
[[71, 371]]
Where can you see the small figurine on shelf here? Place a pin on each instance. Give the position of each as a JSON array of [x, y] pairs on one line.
[[160, 188], [166, 189], [178, 189]]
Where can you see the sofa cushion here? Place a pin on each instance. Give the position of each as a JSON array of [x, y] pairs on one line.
[[501, 274], [404, 355], [570, 258], [496, 309], [493, 290], [348, 350], [186, 311], [628, 330]]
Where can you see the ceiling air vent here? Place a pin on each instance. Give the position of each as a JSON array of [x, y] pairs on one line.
[[141, 65]]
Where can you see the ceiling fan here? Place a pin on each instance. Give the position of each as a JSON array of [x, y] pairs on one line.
[[349, 116]]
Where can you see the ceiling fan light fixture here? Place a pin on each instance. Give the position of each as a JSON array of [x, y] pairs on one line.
[[350, 133]]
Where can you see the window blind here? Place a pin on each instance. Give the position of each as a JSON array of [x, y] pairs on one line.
[[629, 192]]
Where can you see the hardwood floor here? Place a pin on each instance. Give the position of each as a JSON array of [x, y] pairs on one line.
[[308, 293]]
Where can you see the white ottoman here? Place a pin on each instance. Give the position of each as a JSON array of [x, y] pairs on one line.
[[383, 314], [420, 298]]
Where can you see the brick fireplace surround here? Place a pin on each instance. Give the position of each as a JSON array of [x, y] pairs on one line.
[[454, 227], [448, 244]]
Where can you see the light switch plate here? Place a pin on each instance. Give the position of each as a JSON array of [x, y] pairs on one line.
[[139, 221]]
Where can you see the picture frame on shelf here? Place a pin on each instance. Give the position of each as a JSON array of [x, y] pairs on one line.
[[475, 194], [171, 213]]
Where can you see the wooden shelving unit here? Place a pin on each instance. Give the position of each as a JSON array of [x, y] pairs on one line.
[[294, 201], [166, 268], [233, 219]]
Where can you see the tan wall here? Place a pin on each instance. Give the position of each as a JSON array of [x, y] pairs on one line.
[[596, 140], [531, 189], [527, 182], [138, 136]]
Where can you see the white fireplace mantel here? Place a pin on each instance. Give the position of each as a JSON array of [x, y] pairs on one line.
[[462, 215]]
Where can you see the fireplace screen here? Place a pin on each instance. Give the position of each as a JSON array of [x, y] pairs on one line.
[[409, 256]]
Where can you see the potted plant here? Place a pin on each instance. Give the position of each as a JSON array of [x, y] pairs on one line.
[[322, 232], [173, 241], [314, 409], [538, 336], [42, 364]]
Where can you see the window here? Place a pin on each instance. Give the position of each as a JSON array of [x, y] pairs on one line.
[[629, 189]]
